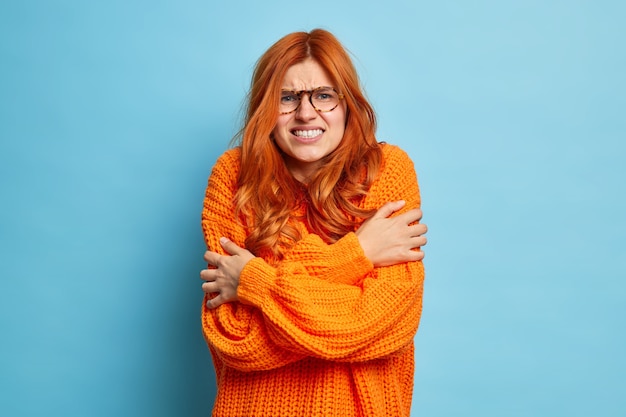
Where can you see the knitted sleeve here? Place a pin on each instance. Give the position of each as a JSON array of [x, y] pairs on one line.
[[336, 321], [237, 333]]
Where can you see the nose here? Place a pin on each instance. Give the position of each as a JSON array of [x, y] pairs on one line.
[[305, 110]]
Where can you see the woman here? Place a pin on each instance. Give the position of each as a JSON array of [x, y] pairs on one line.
[[314, 284]]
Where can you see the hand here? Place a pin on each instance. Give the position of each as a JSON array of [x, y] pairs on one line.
[[390, 240], [223, 279]]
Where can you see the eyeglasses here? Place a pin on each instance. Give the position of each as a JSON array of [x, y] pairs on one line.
[[323, 99]]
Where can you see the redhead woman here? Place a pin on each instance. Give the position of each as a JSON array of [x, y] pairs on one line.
[[315, 277]]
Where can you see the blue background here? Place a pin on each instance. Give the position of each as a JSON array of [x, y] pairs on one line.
[[112, 114]]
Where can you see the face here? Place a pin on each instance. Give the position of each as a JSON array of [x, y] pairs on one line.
[[306, 135]]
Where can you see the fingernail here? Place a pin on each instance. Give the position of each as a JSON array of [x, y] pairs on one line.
[[223, 240]]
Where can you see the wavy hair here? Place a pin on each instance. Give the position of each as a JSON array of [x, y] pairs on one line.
[[268, 195]]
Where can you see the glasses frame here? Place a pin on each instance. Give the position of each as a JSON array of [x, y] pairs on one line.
[[310, 94]]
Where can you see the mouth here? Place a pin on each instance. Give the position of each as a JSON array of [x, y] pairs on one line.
[[307, 134]]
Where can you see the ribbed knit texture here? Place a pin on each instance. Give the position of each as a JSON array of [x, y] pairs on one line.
[[323, 333]]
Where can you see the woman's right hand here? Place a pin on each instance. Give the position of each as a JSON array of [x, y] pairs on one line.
[[390, 240]]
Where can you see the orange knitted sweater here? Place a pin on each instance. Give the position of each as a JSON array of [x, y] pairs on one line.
[[323, 333]]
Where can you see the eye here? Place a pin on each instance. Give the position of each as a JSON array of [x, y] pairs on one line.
[[325, 95], [287, 97]]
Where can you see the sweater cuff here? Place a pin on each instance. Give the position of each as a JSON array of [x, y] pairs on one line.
[[254, 282], [348, 263]]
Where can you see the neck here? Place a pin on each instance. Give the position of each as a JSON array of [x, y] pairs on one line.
[[301, 171]]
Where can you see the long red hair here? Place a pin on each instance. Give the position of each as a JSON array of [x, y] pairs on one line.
[[268, 194]]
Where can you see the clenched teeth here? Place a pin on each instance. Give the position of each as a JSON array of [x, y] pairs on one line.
[[308, 133]]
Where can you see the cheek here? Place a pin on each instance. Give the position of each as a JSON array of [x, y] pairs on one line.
[[340, 123], [276, 131], [279, 127], [279, 139], [343, 118]]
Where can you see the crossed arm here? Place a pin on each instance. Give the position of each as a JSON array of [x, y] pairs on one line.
[[367, 306], [384, 240]]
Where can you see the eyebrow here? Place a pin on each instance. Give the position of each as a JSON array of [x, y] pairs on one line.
[[306, 89]]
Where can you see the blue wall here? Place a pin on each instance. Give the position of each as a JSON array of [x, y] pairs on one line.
[[112, 113]]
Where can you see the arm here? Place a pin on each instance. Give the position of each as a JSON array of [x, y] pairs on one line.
[[235, 332], [312, 316], [336, 321], [247, 339]]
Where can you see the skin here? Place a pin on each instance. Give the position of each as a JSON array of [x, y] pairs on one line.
[[385, 240], [303, 155]]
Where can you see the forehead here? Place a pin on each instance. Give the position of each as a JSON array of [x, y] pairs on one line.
[[306, 75]]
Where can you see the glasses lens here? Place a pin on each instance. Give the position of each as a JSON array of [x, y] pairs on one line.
[[289, 101], [324, 98]]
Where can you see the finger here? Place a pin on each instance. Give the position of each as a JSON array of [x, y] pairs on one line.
[[419, 255], [207, 274], [414, 242], [211, 257], [418, 229], [418, 214], [210, 287], [419, 241], [389, 208], [213, 303], [411, 216], [229, 246], [416, 254]]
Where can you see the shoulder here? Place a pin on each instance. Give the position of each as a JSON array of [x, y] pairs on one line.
[[396, 180], [395, 159], [228, 164], [225, 172], [229, 160]]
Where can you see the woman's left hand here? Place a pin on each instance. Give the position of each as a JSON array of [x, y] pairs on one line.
[[223, 280]]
